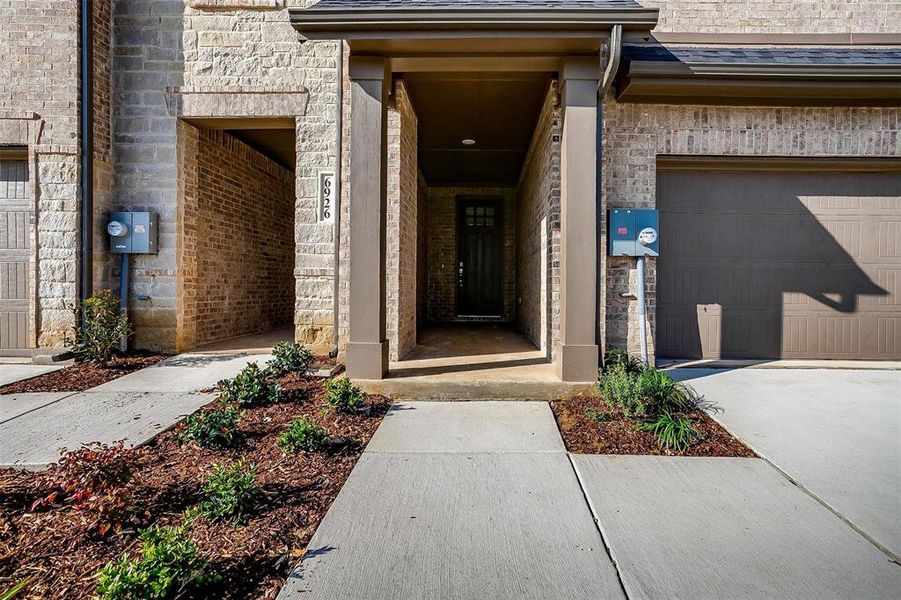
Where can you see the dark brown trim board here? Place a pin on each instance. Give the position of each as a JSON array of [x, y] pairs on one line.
[[13, 152], [674, 162]]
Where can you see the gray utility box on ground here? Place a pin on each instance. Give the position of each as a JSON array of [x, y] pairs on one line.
[[133, 232], [633, 232]]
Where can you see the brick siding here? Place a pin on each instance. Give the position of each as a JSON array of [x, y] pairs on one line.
[[238, 239], [538, 232]]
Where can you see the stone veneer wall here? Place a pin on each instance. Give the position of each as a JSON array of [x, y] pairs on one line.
[[777, 16], [237, 254], [403, 180], [39, 110], [636, 134], [538, 232], [442, 249], [169, 49]]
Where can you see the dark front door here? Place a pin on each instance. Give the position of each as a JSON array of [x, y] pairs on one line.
[[480, 271]]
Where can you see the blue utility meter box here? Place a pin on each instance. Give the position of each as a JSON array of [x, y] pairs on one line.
[[133, 232], [633, 232]]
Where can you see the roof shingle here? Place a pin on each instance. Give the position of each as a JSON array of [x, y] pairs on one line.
[[765, 56]]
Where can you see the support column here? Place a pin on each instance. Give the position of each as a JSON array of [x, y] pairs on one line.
[[367, 348], [577, 355]]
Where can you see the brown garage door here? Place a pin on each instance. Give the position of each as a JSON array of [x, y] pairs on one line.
[[779, 260], [14, 253]]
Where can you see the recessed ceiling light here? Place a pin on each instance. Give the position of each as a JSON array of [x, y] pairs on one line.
[[469, 142]]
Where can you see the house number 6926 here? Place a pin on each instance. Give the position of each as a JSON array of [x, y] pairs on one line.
[[327, 194]]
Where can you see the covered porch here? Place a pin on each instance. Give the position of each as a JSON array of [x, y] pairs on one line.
[[421, 46]]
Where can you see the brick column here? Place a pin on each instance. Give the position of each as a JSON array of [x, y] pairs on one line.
[[577, 357], [367, 348]]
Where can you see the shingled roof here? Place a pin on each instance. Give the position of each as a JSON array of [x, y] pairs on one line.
[[473, 4], [764, 56]]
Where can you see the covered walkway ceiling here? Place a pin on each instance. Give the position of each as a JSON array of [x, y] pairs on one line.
[[497, 111]]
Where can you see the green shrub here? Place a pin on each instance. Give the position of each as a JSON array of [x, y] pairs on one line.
[[213, 428], [251, 387], [103, 324], [675, 433], [229, 493], [303, 436], [658, 392], [595, 415], [620, 358], [342, 395], [288, 357], [168, 566], [618, 388]]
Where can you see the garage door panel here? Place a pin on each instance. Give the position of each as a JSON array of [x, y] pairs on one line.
[[15, 242], [795, 264]]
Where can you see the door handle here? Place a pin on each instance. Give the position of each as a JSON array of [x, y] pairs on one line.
[[460, 275]]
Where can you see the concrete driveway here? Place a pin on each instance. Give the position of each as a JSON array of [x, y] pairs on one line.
[[834, 432]]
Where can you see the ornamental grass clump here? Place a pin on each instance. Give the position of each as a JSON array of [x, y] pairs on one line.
[[102, 325], [251, 387], [303, 436], [229, 493], [168, 566], [652, 397], [342, 395]]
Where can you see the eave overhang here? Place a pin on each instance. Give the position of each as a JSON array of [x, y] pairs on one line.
[[782, 84], [314, 23]]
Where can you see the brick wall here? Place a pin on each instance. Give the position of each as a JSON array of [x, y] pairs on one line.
[[238, 239], [635, 134], [104, 263], [403, 180], [538, 232], [39, 110], [442, 249], [778, 16]]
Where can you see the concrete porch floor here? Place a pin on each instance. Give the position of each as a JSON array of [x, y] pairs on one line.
[[255, 343], [473, 361]]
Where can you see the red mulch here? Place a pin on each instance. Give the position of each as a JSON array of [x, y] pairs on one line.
[[51, 550], [83, 376], [616, 434]]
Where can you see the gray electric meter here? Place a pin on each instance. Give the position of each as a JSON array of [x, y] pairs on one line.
[[133, 232], [633, 232]]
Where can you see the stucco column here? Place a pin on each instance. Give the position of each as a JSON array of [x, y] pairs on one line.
[[577, 355], [367, 348]]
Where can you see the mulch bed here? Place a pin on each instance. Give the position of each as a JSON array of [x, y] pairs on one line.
[[83, 376], [614, 433], [51, 550]]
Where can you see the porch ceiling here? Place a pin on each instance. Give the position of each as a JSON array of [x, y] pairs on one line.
[[496, 110]]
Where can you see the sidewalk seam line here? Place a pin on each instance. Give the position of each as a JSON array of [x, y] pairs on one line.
[[885, 550], [597, 524], [37, 408]]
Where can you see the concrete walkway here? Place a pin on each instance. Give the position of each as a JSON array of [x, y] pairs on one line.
[[13, 372], [480, 500], [836, 433], [134, 408]]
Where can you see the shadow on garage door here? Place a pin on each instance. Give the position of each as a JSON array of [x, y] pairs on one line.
[[761, 261]]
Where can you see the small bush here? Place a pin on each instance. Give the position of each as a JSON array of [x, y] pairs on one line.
[[620, 359], [229, 493], [674, 433], [303, 436], [658, 392], [342, 395], [595, 415], [213, 428], [288, 357], [251, 387], [102, 324], [618, 388], [168, 566]]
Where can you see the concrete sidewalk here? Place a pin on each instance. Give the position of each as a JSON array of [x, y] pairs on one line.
[[15, 372], [452, 502], [135, 408], [480, 500], [834, 432]]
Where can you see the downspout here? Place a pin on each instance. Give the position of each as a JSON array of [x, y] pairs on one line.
[[610, 69], [339, 140], [86, 224]]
